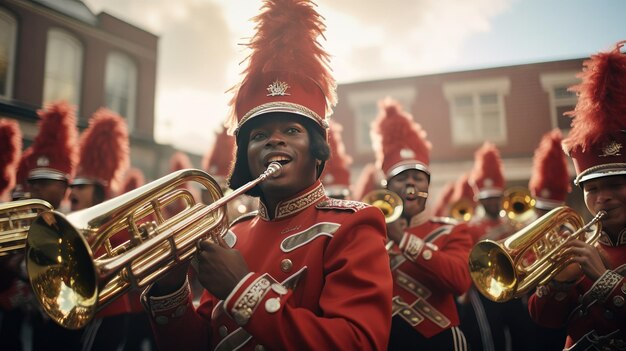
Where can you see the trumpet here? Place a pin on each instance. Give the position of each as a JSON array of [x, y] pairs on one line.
[[72, 284], [387, 201], [15, 219], [462, 210], [509, 268]]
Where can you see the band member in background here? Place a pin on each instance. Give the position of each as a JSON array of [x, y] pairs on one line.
[[103, 160], [549, 185], [14, 291], [589, 301], [336, 175], [307, 271], [49, 163], [462, 204], [429, 256]]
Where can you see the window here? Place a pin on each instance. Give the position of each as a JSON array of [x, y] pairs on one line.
[[8, 34], [121, 86], [477, 110], [561, 100], [64, 67], [365, 107]]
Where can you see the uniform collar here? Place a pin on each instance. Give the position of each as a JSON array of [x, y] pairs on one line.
[[605, 239], [295, 204]]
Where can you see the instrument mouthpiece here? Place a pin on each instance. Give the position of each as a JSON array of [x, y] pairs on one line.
[[274, 169]]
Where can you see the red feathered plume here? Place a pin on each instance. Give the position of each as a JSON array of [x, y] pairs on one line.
[[285, 41], [487, 177], [398, 139], [104, 149], [55, 147], [370, 179], [10, 150], [218, 160], [337, 169], [133, 180], [601, 107], [179, 160], [549, 179], [443, 201], [463, 189]]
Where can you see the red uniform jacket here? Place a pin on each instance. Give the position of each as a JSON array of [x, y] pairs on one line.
[[588, 306], [429, 270], [321, 280]]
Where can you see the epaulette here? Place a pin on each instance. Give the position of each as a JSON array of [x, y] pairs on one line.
[[244, 217], [338, 204], [444, 220]]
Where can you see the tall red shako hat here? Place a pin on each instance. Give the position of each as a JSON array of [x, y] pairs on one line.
[[441, 208], [288, 71], [10, 151], [370, 179], [549, 181], [104, 152], [487, 176], [218, 160], [54, 152], [399, 142], [463, 191], [598, 133], [336, 174]]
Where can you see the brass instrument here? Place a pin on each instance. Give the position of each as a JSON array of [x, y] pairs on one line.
[[15, 219], [462, 210], [72, 284], [387, 201], [518, 206], [509, 268]]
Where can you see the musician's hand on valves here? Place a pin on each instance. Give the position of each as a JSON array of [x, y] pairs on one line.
[[395, 229], [587, 256], [220, 268]]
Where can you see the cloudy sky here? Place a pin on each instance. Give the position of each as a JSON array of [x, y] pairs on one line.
[[199, 51]]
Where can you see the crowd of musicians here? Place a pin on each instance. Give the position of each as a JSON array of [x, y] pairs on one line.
[[306, 260]]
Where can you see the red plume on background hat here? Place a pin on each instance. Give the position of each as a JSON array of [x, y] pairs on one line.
[[598, 133], [336, 174], [134, 179], [370, 178], [463, 190], [549, 182], [288, 70], [10, 150], [104, 151], [441, 208], [399, 142], [218, 160], [54, 151], [487, 177]]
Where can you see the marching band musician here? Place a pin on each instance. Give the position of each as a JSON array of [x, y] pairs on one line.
[[429, 256], [370, 179], [10, 151], [549, 185], [463, 200], [591, 304], [442, 206], [103, 159], [336, 174], [306, 272]]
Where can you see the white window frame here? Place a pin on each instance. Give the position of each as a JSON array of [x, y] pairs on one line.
[[404, 95], [11, 33], [51, 91], [474, 88], [123, 59], [551, 81]]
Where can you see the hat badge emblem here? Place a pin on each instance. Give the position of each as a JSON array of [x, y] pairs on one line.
[[43, 161], [488, 183], [329, 178], [611, 149], [407, 153], [278, 88]]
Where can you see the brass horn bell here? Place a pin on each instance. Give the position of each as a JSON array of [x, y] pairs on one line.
[[387, 201]]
